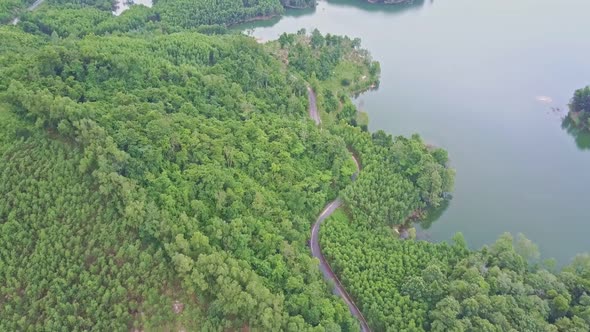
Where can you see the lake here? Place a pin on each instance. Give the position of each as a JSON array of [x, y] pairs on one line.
[[489, 81]]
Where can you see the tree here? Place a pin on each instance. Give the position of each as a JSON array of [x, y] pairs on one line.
[[445, 316], [581, 100], [285, 39], [317, 40]]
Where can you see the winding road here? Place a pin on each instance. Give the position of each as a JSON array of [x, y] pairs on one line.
[[316, 250]]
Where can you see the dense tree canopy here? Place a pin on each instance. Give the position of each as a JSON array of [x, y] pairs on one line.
[[10, 8], [188, 13], [421, 286], [580, 108], [69, 259], [581, 100], [163, 179], [204, 145], [320, 55], [399, 176], [105, 5], [81, 17]]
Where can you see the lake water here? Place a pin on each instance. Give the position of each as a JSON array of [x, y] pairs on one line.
[[482, 79]]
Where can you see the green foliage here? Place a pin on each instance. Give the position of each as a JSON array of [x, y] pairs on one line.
[[319, 54], [14, 40], [399, 176], [64, 22], [67, 22], [580, 108], [334, 66], [189, 13], [581, 100], [8, 8], [104, 5], [382, 273], [11, 8], [70, 259], [298, 3], [203, 146], [286, 39], [167, 181], [417, 286], [348, 113]]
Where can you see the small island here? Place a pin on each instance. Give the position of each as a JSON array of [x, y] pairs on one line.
[[579, 113]]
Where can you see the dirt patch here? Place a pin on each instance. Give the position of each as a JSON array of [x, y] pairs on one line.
[[177, 307]]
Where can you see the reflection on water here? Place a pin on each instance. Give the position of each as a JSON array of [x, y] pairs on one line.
[[357, 95], [582, 137], [433, 214], [379, 7], [249, 27], [300, 12]]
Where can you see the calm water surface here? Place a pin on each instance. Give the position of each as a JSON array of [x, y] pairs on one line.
[[482, 79]]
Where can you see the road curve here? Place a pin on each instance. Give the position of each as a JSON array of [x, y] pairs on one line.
[[316, 250]]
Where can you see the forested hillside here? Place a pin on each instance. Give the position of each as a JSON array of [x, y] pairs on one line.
[[158, 178], [9, 8], [204, 145], [418, 286], [187, 13], [69, 258], [174, 14], [400, 176]]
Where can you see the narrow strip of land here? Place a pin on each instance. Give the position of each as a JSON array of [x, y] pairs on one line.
[[316, 250]]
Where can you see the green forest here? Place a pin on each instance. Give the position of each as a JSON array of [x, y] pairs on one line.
[[421, 286], [174, 14], [160, 172], [201, 150]]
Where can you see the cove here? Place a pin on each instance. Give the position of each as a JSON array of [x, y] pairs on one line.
[[489, 81]]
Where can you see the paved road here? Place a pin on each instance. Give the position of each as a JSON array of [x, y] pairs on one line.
[[316, 250], [313, 109]]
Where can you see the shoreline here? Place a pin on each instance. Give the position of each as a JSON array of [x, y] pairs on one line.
[[390, 2], [574, 117], [254, 19]]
